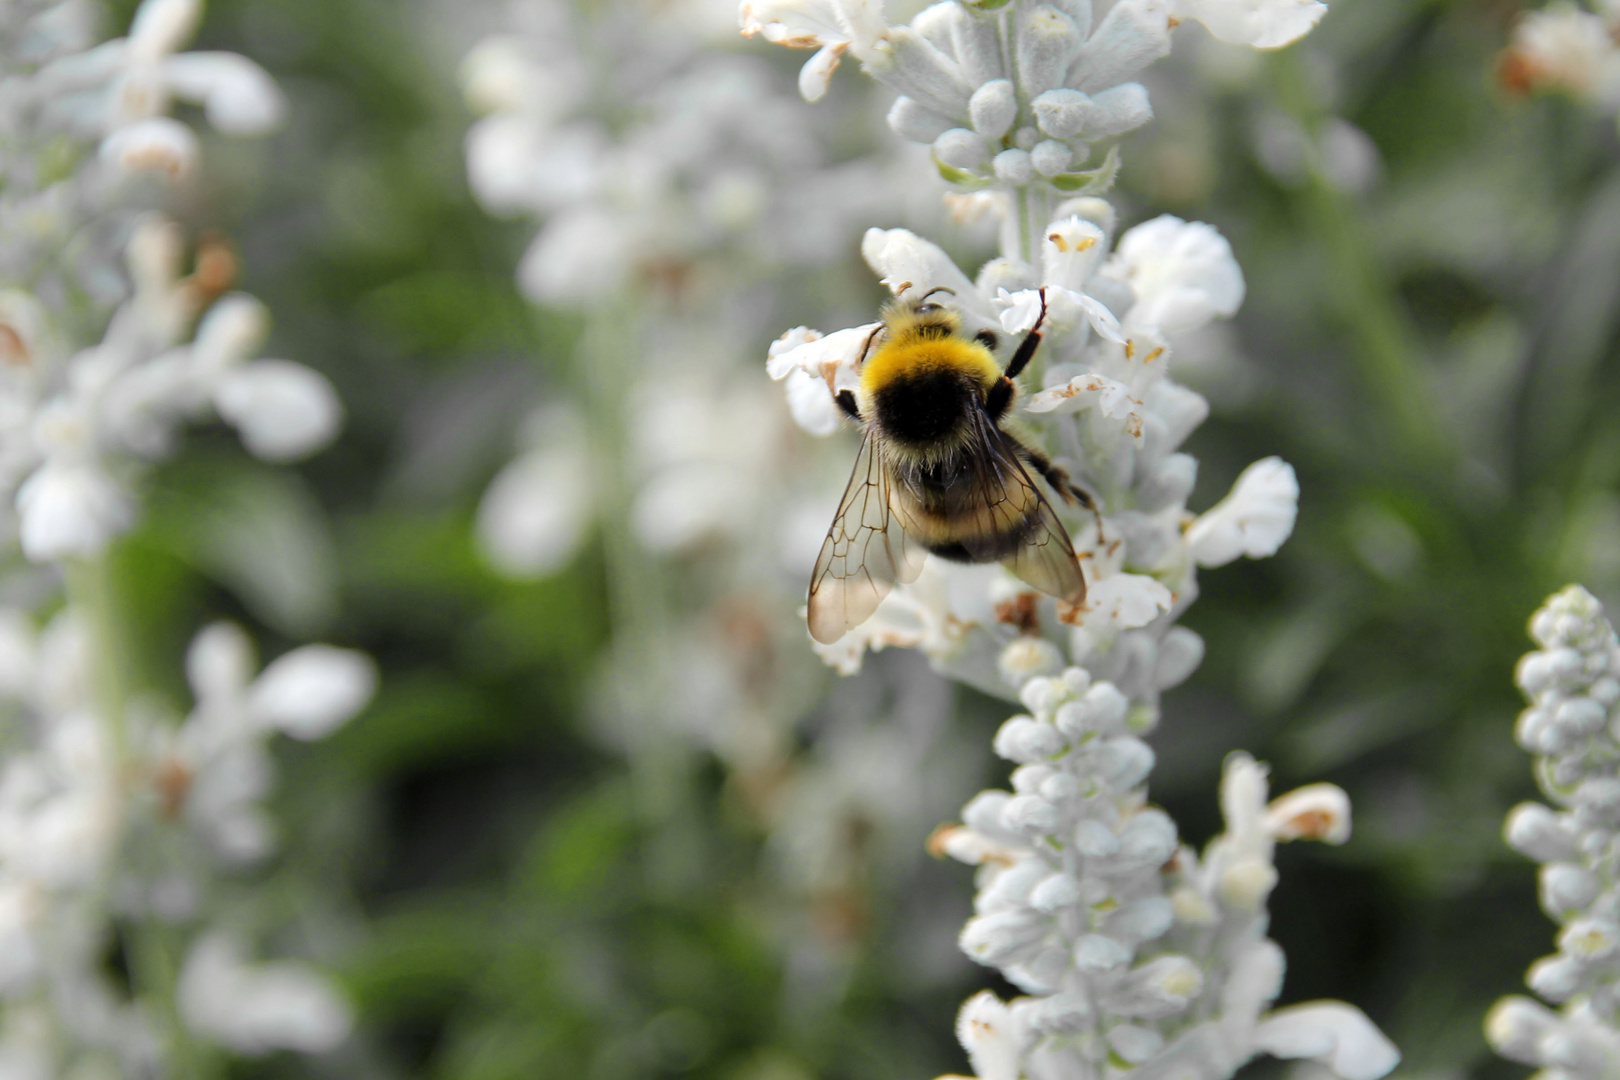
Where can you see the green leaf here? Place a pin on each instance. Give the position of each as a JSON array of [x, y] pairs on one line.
[[961, 177], [1091, 181]]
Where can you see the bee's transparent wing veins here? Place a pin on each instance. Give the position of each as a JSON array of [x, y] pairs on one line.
[[865, 553], [1044, 557]]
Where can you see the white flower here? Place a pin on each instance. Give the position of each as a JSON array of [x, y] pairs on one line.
[[70, 508], [1264, 24], [282, 410], [1253, 520], [535, 513], [992, 1036], [1565, 47], [256, 1008], [1183, 274], [833, 359], [310, 692], [906, 263], [831, 27], [1338, 1035], [1122, 601], [1314, 812]]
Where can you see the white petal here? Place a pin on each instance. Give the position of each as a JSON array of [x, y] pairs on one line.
[[1070, 250], [991, 1035], [535, 513], [1264, 24], [1313, 812], [238, 96], [220, 662], [816, 74], [1124, 601], [578, 257], [157, 144], [1253, 520], [1338, 1035], [1019, 311], [1183, 274], [283, 410], [502, 152], [228, 334], [70, 509], [162, 26], [312, 691], [817, 354], [813, 407], [256, 1008], [907, 262]]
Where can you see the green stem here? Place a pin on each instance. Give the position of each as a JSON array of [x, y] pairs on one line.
[[153, 978]]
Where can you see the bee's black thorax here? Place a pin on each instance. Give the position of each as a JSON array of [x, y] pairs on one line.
[[927, 407]]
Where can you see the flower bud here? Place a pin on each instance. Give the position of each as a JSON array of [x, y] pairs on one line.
[[1061, 1013], [1099, 952], [1124, 761], [1589, 939], [1055, 893], [1135, 1044], [993, 108], [1537, 832], [1030, 815], [1013, 166], [1556, 978], [1047, 41], [1143, 920], [917, 123], [1566, 888], [1093, 838], [1515, 1027], [1024, 739], [1026, 657], [1162, 987], [961, 149], [1040, 695], [1050, 157], [1004, 937]]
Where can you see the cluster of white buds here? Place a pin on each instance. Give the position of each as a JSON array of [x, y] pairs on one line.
[[1137, 957], [77, 418], [118, 823], [1571, 727], [90, 812], [1567, 48], [1014, 96]]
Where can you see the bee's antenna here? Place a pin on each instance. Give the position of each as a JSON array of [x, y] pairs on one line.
[[935, 289], [867, 348]]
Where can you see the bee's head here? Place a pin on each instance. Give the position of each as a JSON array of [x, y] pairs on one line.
[[921, 316]]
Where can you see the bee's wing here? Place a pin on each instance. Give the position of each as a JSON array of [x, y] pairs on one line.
[[865, 553], [1044, 557]]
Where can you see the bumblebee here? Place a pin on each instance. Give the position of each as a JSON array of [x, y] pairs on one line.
[[938, 471]]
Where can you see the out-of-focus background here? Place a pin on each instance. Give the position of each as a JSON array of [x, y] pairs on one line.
[[608, 816]]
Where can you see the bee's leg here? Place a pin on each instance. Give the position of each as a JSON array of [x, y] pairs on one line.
[[846, 401], [1058, 477], [1000, 396], [1027, 347]]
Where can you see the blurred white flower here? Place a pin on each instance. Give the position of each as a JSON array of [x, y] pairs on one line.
[[535, 513], [256, 1008], [1264, 24], [283, 410], [1565, 47]]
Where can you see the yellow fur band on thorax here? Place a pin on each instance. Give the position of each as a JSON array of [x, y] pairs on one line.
[[902, 359]]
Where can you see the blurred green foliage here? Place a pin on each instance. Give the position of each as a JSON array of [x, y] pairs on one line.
[[1436, 356]]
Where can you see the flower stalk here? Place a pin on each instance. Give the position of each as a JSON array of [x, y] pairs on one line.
[[1135, 954]]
